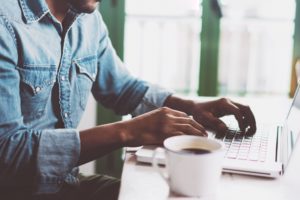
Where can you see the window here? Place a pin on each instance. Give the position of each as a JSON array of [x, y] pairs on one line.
[[162, 43], [256, 46]]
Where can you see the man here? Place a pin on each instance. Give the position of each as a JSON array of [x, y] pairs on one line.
[[52, 54]]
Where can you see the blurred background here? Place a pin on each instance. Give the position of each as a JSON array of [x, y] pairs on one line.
[[202, 47]]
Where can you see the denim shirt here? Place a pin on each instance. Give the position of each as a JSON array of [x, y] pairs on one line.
[[46, 76]]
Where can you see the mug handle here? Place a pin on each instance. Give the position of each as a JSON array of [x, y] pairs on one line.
[[155, 164]]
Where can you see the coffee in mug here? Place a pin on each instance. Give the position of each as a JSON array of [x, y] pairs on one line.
[[194, 150]]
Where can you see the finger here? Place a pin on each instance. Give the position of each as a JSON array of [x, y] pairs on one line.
[[191, 121], [231, 108], [173, 133], [249, 118], [174, 112], [214, 123], [165, 136], [176, 133], [190, 130]]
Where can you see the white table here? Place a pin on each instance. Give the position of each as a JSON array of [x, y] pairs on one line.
[[142, 182]]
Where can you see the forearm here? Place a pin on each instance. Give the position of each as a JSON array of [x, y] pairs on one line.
[[180, 104], [100, 140]]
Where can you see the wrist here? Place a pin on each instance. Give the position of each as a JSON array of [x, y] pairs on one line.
[[125, 132]]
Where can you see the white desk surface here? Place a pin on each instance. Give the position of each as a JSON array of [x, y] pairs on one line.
[[142, 182]]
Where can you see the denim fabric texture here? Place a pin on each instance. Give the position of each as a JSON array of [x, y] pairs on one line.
[[46, 76]]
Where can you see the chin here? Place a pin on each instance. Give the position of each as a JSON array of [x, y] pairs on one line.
[[85, 6], [87, 9]]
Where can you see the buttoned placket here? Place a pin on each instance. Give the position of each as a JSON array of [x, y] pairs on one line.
[[64, 86], [63, 74]]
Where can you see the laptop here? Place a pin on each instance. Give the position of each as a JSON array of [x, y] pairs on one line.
[[265, 154]]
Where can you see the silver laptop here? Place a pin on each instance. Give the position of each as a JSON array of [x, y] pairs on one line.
[[265, 154]]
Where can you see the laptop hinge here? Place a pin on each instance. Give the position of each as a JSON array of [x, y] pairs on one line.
[[278, 157], [283, 145]]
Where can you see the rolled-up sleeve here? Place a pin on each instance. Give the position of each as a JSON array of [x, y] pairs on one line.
[[37, 159], [58, 155], [155, 97]]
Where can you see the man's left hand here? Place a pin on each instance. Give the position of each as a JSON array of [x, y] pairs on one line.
[[208, 113]]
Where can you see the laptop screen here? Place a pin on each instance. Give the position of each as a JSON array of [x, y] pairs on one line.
[[292, 120]]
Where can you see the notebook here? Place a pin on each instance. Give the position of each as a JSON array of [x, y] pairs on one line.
[[265, 154]]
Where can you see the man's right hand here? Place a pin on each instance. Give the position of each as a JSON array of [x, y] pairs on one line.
[[157, 125], [150, 128]]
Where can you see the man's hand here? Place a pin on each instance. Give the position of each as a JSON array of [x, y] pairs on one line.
[[208, 113], [150, 128], [159, 124]]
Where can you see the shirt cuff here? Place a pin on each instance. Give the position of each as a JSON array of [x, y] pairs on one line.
[[154, 98], [57, 156]]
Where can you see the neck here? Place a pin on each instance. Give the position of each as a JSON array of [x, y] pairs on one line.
[[58, 8]]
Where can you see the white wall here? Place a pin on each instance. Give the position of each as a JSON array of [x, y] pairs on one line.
[[88, 120]]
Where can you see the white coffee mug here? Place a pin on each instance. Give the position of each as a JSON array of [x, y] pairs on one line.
[[191, 173]]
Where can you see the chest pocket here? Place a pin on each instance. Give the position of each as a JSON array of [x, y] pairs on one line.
[[35, 88], [86, 71]]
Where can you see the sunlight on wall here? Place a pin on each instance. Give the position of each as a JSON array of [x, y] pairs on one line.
[[88, 121]]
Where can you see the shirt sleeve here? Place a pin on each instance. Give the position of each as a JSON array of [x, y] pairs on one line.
[[40, 160], [115, 87], [57, 156], [154, 98]]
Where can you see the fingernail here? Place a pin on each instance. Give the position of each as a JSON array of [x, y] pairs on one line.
[[222, 128]]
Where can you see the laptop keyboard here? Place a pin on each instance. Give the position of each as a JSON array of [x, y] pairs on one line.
[[241, 147]]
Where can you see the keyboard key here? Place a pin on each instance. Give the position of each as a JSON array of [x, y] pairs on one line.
[[231, 155]]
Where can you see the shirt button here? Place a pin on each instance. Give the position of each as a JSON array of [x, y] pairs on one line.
[[37, 89], [66, 115], [63, 78]]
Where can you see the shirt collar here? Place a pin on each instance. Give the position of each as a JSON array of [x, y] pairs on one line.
[[34, 10]]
